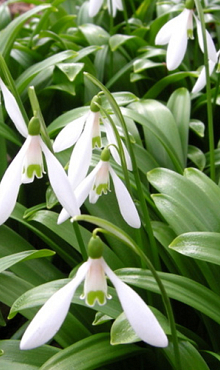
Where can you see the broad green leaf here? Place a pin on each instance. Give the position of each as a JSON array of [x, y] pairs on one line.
[[180, 105], [8, 261], [95, 35], [116, 41], [187, 200], [198, 127], [141, 64], [9, 134], [71, 70], [90, 353], [27, 76], [197, 157], [149, 114], [177, 287], [191, 359], [14, 359], [200, 245]]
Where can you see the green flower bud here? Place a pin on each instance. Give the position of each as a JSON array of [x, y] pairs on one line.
[[93, 107], [34, 126], [105, 155], [95, 247], [189, 4]]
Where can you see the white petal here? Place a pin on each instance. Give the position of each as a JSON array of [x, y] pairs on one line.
[[125, 202], [13, 110], [112, 9], [212, 54], [94, 7], [50, 317], [69, 134], [201, 81], [119, 4], [140, 317], [11, 182], [60, 183], [112, 140], [81, 157], [165, 33], [63, 216], [83, 189]]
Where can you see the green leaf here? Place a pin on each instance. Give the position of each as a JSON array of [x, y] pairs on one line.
[[200, 245], [179, 104], [90, 353], [117, 40], [190, 357], [198, 127], [9, 34], [197, 157], [95, 35], [14, 359], [71, 70], [8, 261]]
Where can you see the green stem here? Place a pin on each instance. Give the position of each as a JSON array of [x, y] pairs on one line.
[[208, 92], [37, 113], [80, 240]]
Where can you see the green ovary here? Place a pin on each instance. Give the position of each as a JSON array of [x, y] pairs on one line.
[[34, 169], [98, 295]]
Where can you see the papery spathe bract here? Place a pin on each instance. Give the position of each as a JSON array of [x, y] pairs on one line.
[[50, 317]]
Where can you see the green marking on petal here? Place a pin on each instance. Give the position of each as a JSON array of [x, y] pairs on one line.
[[101, 188], [34, 169], [190, 34], [96, 142], [94, 296]]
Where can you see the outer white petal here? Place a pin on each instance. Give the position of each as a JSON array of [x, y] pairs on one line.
[[63, 216], [60, 182], [112, 140], [212, 54], [94, 7], [69, 134], [165, 33], [11, 182], [13, 110], [119, 4], [137, 312], [50, 317], [81, 157], [112, 8], [125, 202], [201, 81], [83, 189]]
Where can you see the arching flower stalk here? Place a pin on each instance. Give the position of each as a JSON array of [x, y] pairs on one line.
[[50, 317]]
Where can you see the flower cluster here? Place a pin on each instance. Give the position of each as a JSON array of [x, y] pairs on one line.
[[50, 317]]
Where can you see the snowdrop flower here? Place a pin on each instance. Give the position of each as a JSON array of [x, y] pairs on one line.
[[98, 183], [85, 132], [113, 5], [50, 317], [28, 163], [176, 32], [201, 81]]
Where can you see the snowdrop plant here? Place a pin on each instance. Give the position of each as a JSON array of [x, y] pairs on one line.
[[50, 317], [113, 6], [176, 32], [98, 183], [28, 164]]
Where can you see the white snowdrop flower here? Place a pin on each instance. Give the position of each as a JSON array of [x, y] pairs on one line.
[[113, 6], [50, 317]]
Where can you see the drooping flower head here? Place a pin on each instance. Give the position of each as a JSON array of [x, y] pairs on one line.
[[85, 133], [176, 32], [50, 317], [28, 164], [98, 183]]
